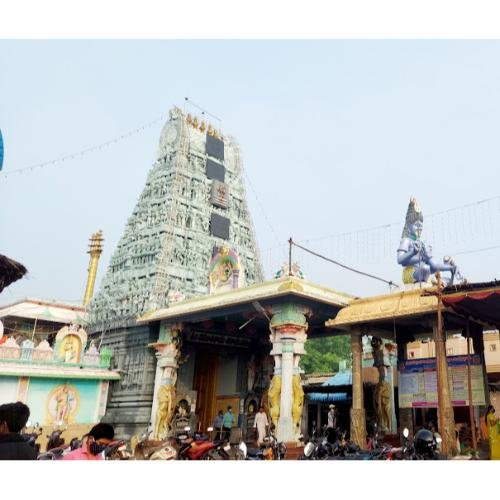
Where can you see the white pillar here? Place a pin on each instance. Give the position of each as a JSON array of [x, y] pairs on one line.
[[285, 425]]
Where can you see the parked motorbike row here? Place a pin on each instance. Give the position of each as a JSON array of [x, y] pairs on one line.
[[186, 446], [423, 446], [198, 446]]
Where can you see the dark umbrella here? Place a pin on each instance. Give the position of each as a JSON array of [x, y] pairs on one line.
[[10, 271]]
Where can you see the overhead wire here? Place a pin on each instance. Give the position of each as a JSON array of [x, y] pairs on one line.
[[349, 268], [83, 152]]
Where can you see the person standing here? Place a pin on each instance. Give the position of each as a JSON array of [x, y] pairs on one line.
[[331, 427], [436, 435], [13, 446], [218, 425], [493, 433], [261, 424], [227, 423]]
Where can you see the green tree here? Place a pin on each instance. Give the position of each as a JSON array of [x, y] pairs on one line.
[[323, 355]]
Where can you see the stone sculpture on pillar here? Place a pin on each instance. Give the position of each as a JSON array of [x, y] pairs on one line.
[[358, 415], [165, 411], [298, 402], [168, 351], [273, 398], [382, 392]]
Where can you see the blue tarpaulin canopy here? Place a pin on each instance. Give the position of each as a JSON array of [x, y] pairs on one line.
[[328, 397], [340, 379]]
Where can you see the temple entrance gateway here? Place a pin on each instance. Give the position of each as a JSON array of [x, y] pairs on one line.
[[242, 349]]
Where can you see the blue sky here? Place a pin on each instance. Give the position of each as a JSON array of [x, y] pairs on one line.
[[336, 135]]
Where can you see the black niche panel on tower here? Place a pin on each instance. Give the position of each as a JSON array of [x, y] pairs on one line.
[[219, 226], [214, 147], [215, 170]]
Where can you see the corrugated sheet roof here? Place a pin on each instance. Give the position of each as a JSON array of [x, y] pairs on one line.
[[341, 378]]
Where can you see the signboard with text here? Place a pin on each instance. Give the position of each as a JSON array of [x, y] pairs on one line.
[[418, 382]]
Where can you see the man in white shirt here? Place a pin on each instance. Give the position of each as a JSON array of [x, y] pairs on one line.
[[261, 424], [331, 427]]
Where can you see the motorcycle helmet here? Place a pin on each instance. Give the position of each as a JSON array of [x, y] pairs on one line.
[[424, 442]]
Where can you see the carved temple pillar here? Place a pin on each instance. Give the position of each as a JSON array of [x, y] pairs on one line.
[[476, 333], [286, 396], [405, 414], [358, 417], [447, 419], [167, 355]]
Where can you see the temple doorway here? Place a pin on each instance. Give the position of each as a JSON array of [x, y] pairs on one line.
[[205, 384]]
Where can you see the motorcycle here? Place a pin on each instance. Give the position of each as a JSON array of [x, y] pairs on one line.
[[56, 448], [149, 449], [422, 447], [55, 440], [116, 450], [271, 450], [318, 447], [200, 447], [31, 437]]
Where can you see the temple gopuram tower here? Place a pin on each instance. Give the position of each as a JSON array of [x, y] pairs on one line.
[[193, 204]]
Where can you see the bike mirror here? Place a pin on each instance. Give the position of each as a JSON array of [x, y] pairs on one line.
[[406, 432]]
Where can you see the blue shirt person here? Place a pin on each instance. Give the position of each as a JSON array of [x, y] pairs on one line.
[[227, 422]]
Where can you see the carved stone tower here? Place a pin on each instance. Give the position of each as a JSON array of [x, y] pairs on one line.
[[193, 203]]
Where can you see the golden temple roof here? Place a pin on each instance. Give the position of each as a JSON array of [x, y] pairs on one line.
[[385, 307], [275, 288]]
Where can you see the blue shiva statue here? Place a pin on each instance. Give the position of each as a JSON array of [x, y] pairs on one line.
[[416, 257]]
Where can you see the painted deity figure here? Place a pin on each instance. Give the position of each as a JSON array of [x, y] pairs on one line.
[[63, 404], [70, 350], [416, 257]]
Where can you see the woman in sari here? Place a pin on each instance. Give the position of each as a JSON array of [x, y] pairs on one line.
[[493, 434]]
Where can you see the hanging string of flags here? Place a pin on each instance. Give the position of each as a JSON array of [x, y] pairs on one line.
[[80, 153]]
